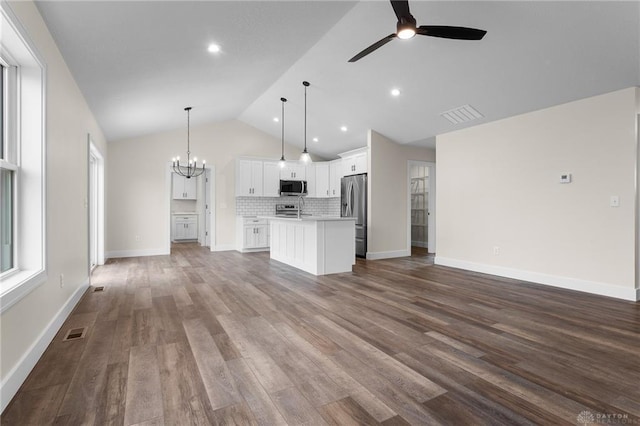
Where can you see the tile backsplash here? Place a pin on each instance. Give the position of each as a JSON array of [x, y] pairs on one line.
[[265, 206]]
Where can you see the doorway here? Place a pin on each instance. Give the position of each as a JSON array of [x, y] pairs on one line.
[[95, 204], [201, 207], [421, 208]]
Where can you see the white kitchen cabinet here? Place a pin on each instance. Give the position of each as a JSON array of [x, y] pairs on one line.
[[185, 227], [319, 246], [293, 170], [310, 174], [183, 188], [335, 176], [271, 179], [249, 178], [322, 180], [354, 164], [252, 234]]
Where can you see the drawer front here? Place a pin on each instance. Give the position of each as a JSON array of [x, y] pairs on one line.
[[254, 222]]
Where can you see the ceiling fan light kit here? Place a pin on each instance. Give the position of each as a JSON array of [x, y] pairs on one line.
[[191, 169], [406, 28]]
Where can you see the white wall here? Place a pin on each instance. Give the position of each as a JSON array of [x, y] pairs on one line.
[[497, 186], [27, 327], [136, 177], [387, 192]]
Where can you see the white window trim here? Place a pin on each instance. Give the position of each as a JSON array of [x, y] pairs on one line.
[[30, 220]]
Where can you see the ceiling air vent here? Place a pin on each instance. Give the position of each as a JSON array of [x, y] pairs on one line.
[[462, 114]]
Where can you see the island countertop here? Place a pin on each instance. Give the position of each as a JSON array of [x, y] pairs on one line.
[[311, 218]]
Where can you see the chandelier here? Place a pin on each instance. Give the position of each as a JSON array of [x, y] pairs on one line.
[[191, 169]]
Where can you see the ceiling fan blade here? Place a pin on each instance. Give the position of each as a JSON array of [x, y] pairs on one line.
[[401, 8], [374, 46], [458, 33]]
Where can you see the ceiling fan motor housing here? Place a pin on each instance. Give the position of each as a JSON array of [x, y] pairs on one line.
[[406, 25]]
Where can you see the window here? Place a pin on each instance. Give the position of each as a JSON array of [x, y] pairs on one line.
[[7, 170], [22, 163]]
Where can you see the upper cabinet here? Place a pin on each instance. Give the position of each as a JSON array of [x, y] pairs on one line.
[[249, 178], [293, 170], [335, 175], [354, 162], [271, 179], [183, 188], [321, 180], [310, 177], [261, 178]]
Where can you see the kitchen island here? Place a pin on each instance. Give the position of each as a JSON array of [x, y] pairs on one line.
[[319, 245]]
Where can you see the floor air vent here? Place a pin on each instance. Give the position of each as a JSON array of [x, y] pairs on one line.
[[99, 288], [75, 334]]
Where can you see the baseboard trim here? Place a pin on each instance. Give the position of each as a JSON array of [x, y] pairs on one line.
[[387, 254], [18, 374], [223, 247], [136, 253], [601, 289]]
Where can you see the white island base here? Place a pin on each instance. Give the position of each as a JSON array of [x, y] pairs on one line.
[[318, 245]]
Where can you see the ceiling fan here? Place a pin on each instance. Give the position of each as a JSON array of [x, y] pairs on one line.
[[406, 28]]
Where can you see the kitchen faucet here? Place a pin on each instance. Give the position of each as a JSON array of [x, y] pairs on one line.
[[300, 205]]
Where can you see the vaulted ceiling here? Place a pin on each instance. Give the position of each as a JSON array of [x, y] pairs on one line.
[[140, 63]]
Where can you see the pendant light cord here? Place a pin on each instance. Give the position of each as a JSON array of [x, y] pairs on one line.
[[283, 100], [305, 84], [188, 109]]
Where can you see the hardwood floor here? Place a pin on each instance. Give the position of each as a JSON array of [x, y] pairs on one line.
[[226, 338]]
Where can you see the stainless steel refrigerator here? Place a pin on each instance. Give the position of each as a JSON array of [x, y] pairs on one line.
[[354, 204]]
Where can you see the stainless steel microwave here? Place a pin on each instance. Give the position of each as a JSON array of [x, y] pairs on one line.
[[293, 187]]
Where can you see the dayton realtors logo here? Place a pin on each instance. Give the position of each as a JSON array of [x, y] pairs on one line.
[[587, 418]]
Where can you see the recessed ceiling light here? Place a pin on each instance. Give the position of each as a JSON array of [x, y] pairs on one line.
[[344, 128], [213, 48], [276, 119], [395, 92], [315, 139]]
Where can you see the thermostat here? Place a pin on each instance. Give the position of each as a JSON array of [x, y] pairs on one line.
[[565, 178]]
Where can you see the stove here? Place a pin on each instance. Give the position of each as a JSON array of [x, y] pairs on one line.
[[286, 210]]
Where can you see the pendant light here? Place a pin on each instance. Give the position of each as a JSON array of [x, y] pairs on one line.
[[305, 157], [191, 169], [282, 161]]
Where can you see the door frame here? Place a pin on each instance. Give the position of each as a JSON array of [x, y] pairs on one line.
[[431, 213], [210, 172], [95, 199]]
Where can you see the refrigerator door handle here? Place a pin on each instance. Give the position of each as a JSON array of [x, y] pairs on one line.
[[350, 199]]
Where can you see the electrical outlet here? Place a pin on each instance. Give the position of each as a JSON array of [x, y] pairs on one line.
[[137, 237], [496, 251], [61, 280]]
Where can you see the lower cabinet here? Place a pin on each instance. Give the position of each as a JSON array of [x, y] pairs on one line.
[[185, 227], [252, 234]]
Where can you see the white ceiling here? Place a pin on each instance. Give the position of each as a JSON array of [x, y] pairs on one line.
[[140, 63]]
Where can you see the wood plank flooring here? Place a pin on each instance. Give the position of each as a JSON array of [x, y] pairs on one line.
[[206, 338]]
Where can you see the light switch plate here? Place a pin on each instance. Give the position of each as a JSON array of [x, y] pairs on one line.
[[565, 178], [614, 201]]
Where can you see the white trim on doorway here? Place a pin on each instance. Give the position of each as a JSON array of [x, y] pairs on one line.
[[210, 173], [431, 218], [95, 203]]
